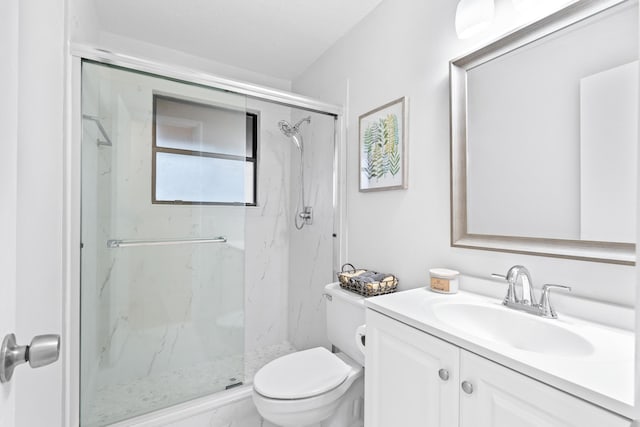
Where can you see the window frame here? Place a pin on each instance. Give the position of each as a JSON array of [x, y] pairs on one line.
[[155, 149]]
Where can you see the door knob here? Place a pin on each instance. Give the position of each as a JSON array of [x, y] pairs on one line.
[[443, 374], [43, 350], [467, 387]]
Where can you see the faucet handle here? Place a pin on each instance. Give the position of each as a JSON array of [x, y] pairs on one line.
[[545, 302], [510, 298]]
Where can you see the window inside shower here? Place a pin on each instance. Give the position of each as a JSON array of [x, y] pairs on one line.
[[185, 300], [198, 155]]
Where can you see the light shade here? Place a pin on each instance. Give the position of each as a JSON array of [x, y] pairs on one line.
[[473, 16]]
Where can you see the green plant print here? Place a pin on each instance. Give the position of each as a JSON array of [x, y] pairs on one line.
[[382, 148]]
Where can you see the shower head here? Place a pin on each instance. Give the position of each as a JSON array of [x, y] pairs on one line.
[[285, 128], [293, 132]]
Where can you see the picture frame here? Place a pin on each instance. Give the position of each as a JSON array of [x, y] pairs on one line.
[[382, 138]]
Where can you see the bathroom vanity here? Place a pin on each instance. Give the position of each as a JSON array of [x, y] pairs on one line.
[[466, 360], [538, 93]]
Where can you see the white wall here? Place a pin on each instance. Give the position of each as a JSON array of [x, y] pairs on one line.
[[140, 49], [403, 49], [85, 28], [83, 23]]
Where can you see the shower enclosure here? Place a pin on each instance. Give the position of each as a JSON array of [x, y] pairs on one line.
[[192, 273]]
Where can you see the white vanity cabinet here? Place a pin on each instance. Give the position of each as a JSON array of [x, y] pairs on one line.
[[402, 376], [403, 387], [501, 397]]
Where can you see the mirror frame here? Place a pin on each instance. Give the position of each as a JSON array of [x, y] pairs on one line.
[[609, 252]]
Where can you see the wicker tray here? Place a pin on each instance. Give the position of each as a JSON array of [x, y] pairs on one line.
[[348, 279]]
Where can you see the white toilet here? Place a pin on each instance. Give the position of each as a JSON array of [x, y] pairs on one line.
[[316, 386]]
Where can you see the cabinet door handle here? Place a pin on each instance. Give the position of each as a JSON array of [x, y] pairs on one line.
[[444, 374], [467, 387]]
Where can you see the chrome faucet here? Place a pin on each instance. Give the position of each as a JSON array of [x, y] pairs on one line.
[[526, 302], [520, 273]]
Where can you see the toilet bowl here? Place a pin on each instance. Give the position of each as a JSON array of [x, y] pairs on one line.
[[317, 386], [312, 385]]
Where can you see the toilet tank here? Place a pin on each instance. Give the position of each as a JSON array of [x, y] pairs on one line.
[[345, 312]]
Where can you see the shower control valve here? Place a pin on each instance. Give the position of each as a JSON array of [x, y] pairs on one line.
[[307, 215]]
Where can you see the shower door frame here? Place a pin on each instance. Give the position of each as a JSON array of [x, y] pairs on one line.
[[72, 177]]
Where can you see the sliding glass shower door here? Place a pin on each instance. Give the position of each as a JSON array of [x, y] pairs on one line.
[[168, 169]]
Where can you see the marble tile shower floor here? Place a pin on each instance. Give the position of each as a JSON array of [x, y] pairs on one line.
[[121, 401]]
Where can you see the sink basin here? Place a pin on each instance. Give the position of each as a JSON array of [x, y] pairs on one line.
[[507, 326]]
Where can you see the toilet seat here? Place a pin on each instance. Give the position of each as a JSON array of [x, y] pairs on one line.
[[310, 410], [301, 375]]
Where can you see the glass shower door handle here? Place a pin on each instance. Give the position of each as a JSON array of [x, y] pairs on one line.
[[43, 350]]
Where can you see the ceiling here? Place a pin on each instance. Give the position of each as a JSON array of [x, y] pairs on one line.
[[279, 38]]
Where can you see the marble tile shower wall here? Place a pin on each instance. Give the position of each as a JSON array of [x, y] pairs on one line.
[[162, 307], [268, 233], [311, 261]]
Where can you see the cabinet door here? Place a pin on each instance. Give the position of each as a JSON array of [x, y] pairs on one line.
[[402, 381], [504, 398]]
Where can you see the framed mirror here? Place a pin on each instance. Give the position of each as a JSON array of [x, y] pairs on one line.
[[544, 134]]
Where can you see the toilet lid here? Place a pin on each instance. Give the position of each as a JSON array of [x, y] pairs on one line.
[[302, 374]]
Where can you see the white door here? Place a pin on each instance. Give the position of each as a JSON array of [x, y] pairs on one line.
[[495, 396], [8, 185], [411, 378], [31, 219]]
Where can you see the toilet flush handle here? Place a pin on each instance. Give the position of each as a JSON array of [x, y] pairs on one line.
[[361, 334]]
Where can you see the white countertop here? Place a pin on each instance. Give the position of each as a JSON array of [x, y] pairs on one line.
[[604, 377]]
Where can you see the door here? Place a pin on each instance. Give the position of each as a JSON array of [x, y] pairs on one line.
[[166, 175], [495, 396], [411, 378], [8, 185], [31, 218]]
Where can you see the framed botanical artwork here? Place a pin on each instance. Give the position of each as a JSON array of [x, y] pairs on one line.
[[383, 148]]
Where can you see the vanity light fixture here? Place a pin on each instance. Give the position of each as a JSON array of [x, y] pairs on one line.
[[473, 16]]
